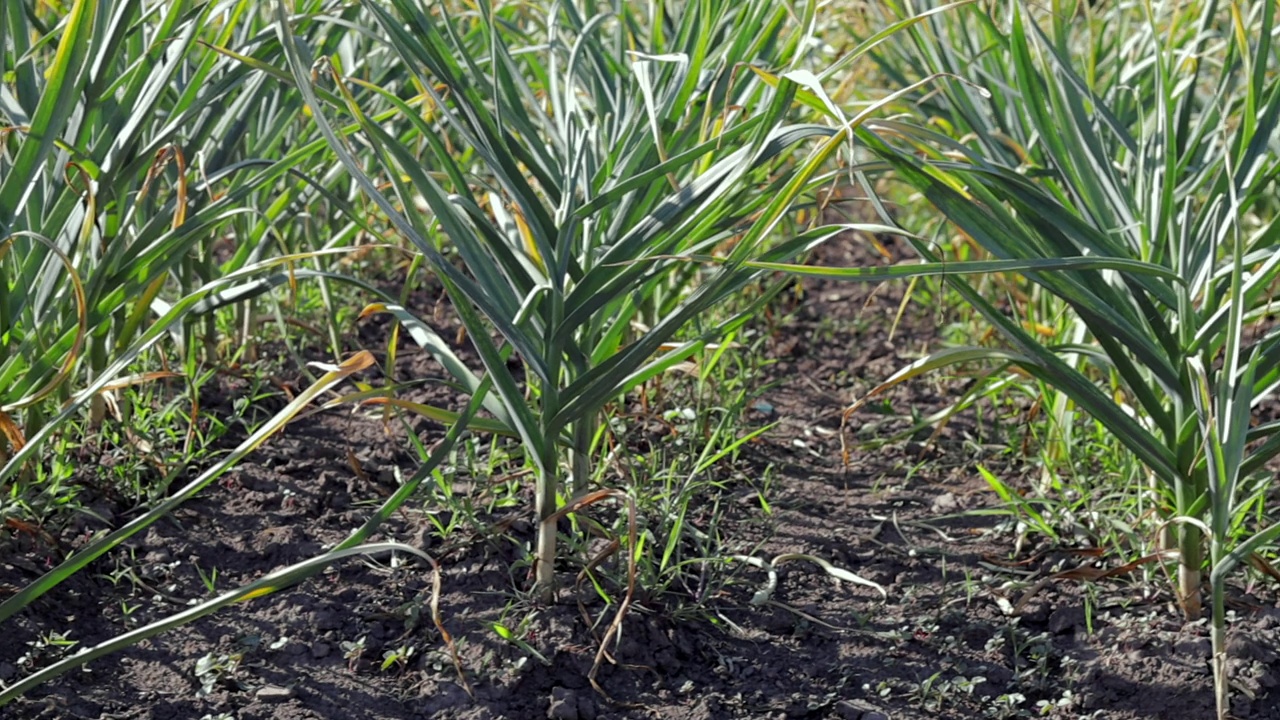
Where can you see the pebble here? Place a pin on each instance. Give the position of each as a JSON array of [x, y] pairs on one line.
[[848, 712], [8, 671], [273, 694], [858, 710], [564, 705], [320, 650], [157, 557], [945, 503]]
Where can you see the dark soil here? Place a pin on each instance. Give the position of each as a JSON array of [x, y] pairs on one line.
[[947, 643]]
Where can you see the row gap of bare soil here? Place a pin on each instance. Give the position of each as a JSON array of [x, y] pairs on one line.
[[942, 645]]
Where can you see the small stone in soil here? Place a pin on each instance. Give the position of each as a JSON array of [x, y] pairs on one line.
[[320, 650], [273, 694], [564, 705], [945, 503], [857, 710], [156, 557], [763, 408]]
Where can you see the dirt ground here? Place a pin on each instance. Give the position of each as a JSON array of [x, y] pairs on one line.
[[944, 643]]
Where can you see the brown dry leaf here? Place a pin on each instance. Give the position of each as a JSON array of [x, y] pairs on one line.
[[1092, 574], [1263, 566], [12, 432]]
